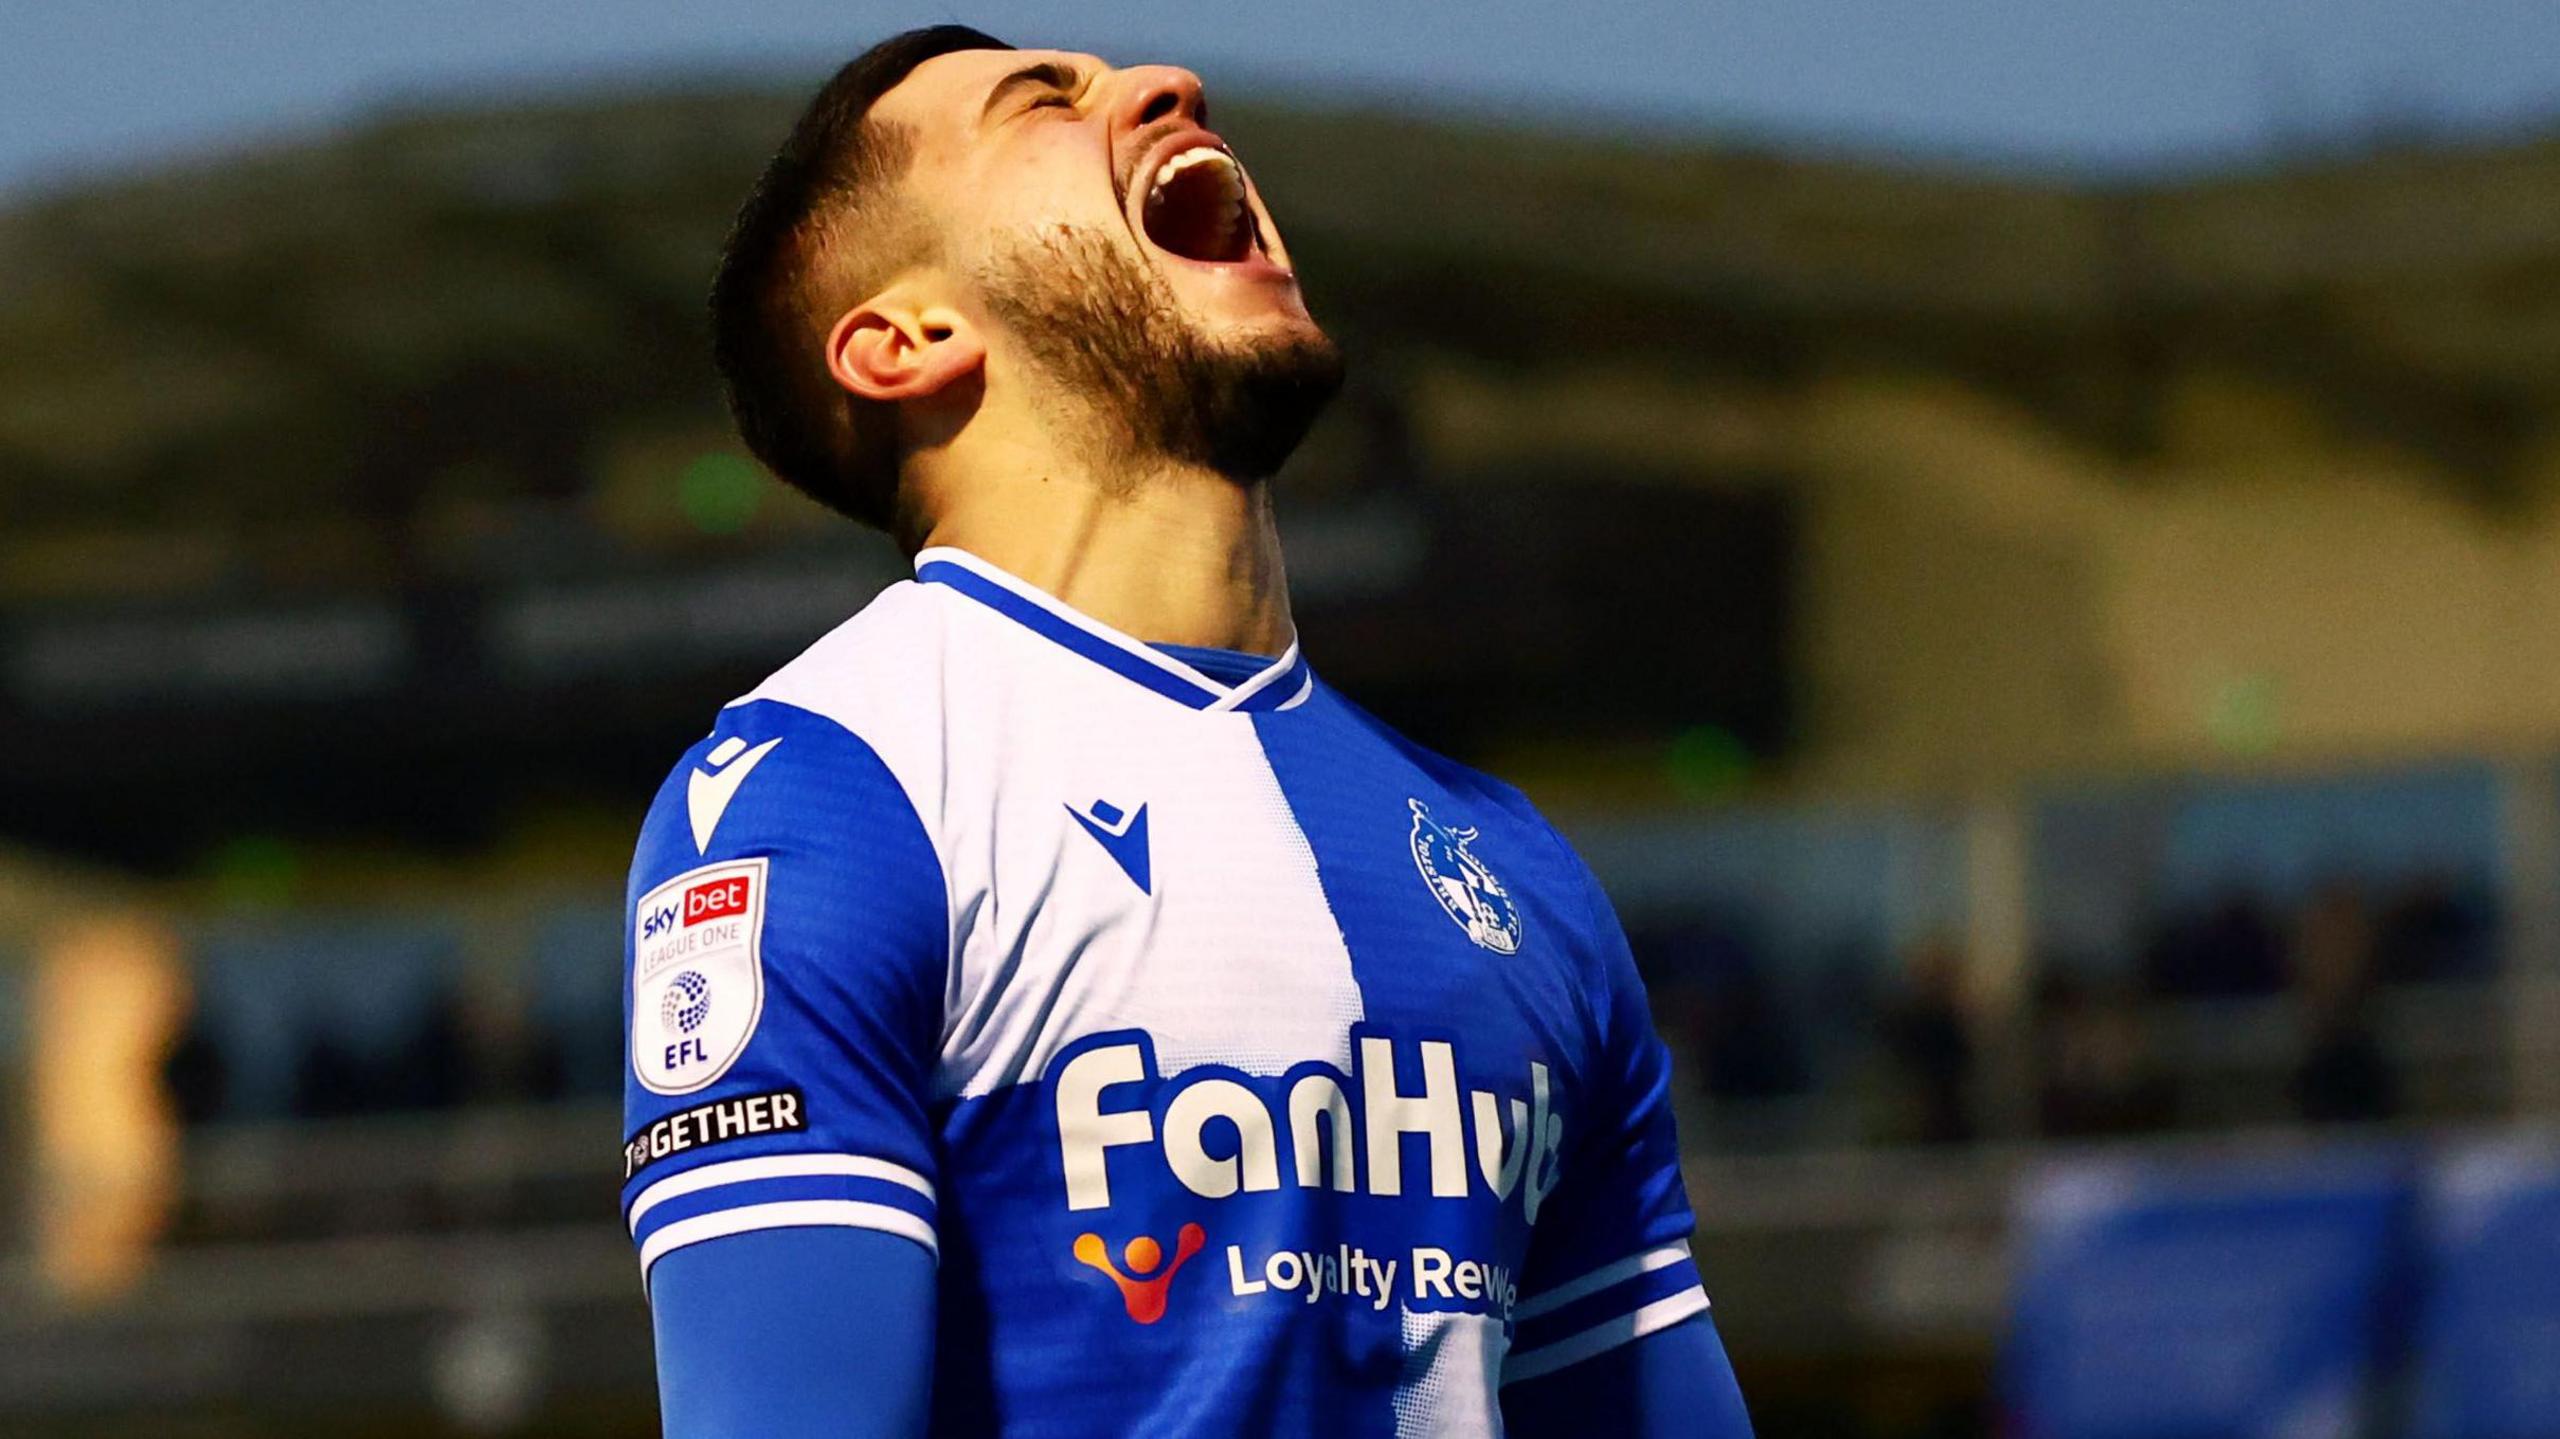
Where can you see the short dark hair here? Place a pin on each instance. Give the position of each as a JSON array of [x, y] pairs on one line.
[[820, 195]]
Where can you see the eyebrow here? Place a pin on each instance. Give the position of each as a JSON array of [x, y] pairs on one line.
[[1048, 74]]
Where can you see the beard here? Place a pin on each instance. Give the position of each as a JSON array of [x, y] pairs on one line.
[[1158, 387]]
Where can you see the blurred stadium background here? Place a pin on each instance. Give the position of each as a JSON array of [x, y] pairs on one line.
[[2059, 666]]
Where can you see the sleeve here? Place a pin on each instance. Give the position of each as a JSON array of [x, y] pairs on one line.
[[1672, 1384], [795, 1334], [783, 992], [1609, 1254]]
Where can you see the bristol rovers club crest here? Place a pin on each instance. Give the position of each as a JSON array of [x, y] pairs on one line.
[[1462, 883]]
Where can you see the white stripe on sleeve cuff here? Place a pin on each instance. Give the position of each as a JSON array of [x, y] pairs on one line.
[[786, 1214], [774, 1166], [1602, 1277], [1601, 1338]]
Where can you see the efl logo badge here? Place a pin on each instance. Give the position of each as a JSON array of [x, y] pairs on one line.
[[1463, 884], [697, 975]]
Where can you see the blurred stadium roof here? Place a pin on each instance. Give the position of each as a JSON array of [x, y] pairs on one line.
[[452, 303]]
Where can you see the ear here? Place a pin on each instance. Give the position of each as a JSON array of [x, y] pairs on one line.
[[890, 348]]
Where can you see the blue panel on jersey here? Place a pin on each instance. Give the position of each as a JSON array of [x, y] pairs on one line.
[[1468, 918], [1352, 785]]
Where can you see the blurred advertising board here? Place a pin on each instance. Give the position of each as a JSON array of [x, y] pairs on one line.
[[2254, 1295], [2488, 1341]]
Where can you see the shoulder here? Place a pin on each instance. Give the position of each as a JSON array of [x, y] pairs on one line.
[[1450, 775], [1485, 791], [876, 673], [833, 750], [1523, 852]]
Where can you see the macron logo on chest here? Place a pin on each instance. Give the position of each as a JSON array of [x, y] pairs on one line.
[[1122, 835], [707, 792]]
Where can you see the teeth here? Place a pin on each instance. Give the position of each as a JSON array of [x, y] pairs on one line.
[[1228, 172]]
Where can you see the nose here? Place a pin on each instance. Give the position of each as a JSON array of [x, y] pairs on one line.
[[1161, 92]]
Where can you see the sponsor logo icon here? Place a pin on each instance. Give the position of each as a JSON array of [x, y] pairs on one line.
[[1122, 835], [707, 792], [1144, 1287], [697, 975], [1463, 884]]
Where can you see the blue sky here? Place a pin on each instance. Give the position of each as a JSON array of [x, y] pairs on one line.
[[2071, 84]]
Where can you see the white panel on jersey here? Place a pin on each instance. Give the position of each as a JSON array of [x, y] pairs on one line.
[[1451, 1362], [1050, 787]]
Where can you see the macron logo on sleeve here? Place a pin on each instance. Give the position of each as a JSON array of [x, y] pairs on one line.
[[707, 792], [1123, 836]]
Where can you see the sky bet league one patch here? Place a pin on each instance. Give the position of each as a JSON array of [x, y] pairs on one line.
[[697, 975]]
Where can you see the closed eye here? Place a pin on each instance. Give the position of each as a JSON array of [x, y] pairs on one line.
[[1056, 84]]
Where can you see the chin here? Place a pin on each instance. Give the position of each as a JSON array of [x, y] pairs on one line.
[[1271, 328], [1258, 400]]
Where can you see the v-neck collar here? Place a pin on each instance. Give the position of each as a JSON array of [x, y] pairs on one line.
[[1283, 684]]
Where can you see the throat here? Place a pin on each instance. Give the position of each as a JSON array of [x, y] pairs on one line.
[[1187, 560]]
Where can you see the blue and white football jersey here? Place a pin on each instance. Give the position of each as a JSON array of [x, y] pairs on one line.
[[1248, 1068]]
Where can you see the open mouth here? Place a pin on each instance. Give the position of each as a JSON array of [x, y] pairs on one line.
[[1196, 208]]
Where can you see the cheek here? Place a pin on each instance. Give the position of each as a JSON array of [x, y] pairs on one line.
[[1063, 175]]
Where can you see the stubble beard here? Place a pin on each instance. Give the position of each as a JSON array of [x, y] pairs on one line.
[[1154, 387]]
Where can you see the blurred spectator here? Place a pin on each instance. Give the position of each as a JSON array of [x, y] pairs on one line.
[[332, 1081], [2433, 932], [2234, 949], [481, 1043], [2333, 948], [459, 1048], [438, 1066], [1747, 1046], [1928, 1036], [2098, 1074], [1737, 1041], [2343, 1076], [196, 1074], [547, 1074]]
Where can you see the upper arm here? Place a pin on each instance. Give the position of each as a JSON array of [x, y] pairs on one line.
[[1609, 1257], [1674, 1383], [783, 993], [795, 1334]]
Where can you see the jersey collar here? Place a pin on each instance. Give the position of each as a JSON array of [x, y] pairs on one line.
[[1284, 684]]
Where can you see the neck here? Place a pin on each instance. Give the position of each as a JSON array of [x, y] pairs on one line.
[[1169, 554]]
